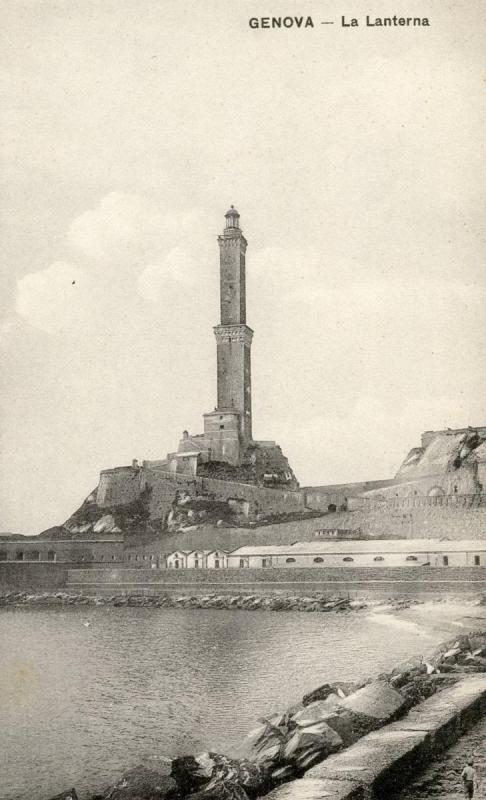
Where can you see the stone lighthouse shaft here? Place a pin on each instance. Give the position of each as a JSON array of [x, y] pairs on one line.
[[233, 336], [229, 425]]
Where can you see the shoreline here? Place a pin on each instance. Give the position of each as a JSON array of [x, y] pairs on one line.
[[311, 603], [241, 602]]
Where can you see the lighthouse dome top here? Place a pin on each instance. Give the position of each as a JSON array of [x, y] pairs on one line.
[[232, 217]]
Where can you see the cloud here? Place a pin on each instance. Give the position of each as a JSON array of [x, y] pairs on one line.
[[179, 266], [127, 230], [53, 299]]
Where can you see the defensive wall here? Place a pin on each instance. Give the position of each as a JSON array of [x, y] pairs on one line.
[[409, 581], [452, 517], [123, 485]]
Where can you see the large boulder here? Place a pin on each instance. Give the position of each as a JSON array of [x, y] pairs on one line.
[[315, 712], [341, 688], [307, 746], [377, 700], [213, 774], [69, 794], [143, 783]]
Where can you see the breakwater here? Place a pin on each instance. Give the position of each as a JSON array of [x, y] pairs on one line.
[[334, 743]]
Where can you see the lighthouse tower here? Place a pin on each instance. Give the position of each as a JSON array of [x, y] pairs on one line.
[[229, 425]]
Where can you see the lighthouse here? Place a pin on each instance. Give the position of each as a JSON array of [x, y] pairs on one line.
[[229, 425]]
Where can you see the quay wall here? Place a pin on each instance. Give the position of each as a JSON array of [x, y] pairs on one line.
[[18, 576], [408, 581], [386, 760]]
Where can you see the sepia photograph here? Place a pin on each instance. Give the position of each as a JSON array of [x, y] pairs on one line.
[[243, 400]]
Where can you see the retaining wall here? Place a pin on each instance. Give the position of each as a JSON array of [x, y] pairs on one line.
[[411, 581], [20, 576], [386, 760]]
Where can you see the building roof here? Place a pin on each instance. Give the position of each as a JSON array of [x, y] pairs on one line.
[[365, 546]]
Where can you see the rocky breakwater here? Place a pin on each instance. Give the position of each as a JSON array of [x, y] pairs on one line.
[[284, 745], [316, 602]]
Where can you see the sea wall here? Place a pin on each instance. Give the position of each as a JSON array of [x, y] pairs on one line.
[[17, 576], [402, 581], [387, 759]]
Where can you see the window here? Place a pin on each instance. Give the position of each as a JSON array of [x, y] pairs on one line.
[[19, 555], [196, 562], [445, 561], [51, 556], [3, 555], [243, 562], [34, 555], [216, 563], [266, 562], [331, 508], [176, 563], [290, 560], [318, 560], [378, 558], [411, 558], [348, 558], [477, 561], [221, 427]]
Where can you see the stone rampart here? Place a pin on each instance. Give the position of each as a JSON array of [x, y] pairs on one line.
[[119, 486], [452, 520], [417, 501], [269, 501]]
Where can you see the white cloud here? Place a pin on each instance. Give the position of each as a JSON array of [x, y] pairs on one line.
[[53, 299], [178, 266], [128, 230]]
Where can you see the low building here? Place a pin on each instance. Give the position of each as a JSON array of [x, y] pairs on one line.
[[382, 553], [197, 559], [68, 551], [217, 559], [338, 533], [177, 559]]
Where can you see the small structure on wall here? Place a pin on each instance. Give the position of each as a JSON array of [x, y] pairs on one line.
[[338, 533]]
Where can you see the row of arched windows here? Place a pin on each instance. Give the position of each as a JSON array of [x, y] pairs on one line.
[[29, 555], [319, 560]]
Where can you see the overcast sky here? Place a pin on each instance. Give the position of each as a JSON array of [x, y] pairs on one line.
[[356, 160]]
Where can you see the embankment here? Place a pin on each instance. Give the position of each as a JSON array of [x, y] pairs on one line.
[[299, 580]]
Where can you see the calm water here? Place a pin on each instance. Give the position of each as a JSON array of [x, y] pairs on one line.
[[81, 703]]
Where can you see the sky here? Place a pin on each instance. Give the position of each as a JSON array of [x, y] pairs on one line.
[[354, 157]]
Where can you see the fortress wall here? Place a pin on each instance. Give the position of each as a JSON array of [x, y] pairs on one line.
[[119, 486], [278, 501], [320, 497], [163, 492], [448, 518]]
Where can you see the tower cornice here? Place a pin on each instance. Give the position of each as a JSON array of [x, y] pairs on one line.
[[233, 333]]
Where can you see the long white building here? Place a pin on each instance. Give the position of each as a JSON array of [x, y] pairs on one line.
[[368, 553]]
